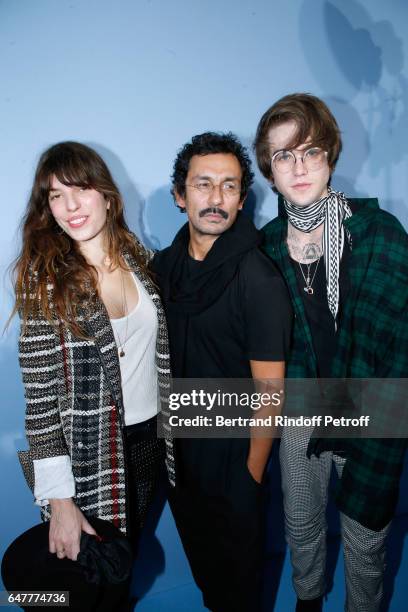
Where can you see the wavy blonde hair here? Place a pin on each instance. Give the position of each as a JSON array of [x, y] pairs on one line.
[[49, 256]]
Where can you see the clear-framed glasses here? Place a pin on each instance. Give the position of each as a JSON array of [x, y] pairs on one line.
[[285, 160], [227, 188]]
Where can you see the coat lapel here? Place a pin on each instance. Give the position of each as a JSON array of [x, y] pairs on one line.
[[100, 329], [357, 267]]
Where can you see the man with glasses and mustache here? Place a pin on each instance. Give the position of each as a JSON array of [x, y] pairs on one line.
[[229, 316], [345, 262]]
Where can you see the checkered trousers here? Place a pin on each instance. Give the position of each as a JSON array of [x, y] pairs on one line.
[[305, 485]]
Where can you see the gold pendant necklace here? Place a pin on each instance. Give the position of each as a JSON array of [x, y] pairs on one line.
[[120, 344]]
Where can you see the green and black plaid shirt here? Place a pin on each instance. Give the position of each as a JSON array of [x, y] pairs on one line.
[[372, 342]]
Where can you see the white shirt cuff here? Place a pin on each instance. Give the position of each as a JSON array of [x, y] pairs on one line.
[[53, 479]]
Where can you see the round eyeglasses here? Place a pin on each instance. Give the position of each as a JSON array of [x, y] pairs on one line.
[[227, 188], [285, 160]]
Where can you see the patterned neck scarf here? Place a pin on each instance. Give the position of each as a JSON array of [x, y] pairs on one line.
[[331, 210]]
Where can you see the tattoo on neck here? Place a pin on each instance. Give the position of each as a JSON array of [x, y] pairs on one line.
[[304, 252]]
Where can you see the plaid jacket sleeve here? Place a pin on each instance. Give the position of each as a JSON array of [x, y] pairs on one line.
[[368, 490], [40, 370]]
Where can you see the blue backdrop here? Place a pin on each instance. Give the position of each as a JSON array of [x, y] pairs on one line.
[[135, 79]]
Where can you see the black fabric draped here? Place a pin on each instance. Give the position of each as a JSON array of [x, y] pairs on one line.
[[188, 291]]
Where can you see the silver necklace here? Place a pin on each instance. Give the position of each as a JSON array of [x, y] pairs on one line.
[[121, 345], [309, 281]]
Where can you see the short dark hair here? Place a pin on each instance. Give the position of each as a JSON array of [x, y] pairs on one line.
[[314, 120], [210, 143]]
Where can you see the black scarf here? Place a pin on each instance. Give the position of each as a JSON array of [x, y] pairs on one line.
[[188, 294]]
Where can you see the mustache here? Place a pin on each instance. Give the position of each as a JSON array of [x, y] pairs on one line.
[[214, 211]]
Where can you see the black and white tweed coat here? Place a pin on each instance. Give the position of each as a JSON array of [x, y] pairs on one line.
[[74, 404]]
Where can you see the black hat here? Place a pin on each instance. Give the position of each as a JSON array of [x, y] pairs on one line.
[[98, 580]]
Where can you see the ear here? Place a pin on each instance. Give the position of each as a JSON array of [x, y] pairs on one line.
[[180, 200], [241, 204]]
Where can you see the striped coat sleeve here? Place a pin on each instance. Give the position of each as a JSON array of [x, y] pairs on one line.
[[40, 369]]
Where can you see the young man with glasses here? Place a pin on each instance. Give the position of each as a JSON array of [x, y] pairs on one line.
[[345, 262], [229, 317]]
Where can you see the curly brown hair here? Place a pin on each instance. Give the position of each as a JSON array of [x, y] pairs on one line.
[[49, 257], [208, 144]]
